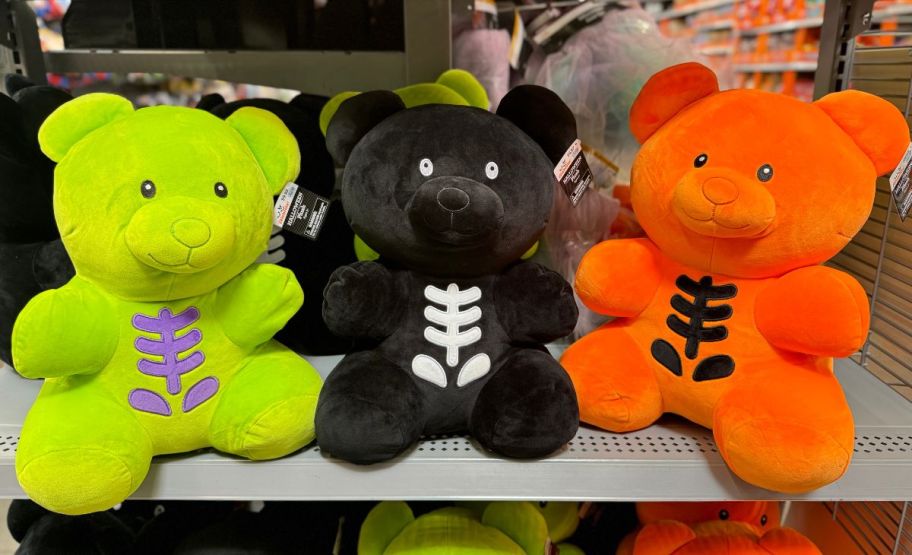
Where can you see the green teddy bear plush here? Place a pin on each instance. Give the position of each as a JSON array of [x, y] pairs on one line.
[[498, 528], [161, 343]]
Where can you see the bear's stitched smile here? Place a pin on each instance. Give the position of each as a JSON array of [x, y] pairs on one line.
[[178, 265]]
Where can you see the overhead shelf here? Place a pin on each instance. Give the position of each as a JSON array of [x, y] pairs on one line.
[[716, 25], [673, 460], [716, 50], [784, 26], [777, 67], [693, 8]]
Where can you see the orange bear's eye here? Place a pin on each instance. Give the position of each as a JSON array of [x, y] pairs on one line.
[[763, 520], [765, 173], [701, 160], [723, 515]]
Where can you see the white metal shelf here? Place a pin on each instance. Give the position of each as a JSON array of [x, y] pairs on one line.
[[693, 8], [783, 26], [807, 67], [716, 25], [673, 460], [717, 50]]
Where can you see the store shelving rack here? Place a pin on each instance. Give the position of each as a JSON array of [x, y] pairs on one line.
[[672, 460]]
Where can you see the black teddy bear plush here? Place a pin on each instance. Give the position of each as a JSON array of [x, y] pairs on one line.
[[311, 261], [32, 257], [450, 197]]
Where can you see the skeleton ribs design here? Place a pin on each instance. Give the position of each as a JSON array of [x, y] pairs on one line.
[[453, 336]]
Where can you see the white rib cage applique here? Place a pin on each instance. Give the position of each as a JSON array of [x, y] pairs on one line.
[[452, 337]]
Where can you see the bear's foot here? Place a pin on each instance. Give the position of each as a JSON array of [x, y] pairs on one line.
[[370, 410], [267, 409], [527, 409], [616, 387]]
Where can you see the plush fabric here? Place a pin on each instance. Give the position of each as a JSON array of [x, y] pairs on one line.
[[726, 317], [455, 86], [450, 197], [518, 528], [41, 532], [161, 343], [311, 261], [32, 258], [736, 528]]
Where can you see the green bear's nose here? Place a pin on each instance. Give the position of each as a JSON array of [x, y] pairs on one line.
[[191, 232]]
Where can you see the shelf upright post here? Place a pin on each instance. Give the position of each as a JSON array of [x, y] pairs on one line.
[[843, 20], [428, 38], [20, 47]]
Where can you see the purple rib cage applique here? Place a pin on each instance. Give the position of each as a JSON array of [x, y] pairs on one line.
[[168, 345]]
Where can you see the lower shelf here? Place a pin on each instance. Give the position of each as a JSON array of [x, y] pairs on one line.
[[672, 460]]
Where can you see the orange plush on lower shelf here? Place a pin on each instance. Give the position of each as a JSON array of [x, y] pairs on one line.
[[725, 315], [728, 528]]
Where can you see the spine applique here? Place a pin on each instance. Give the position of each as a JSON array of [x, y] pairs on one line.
[[452, 337], [170, 346], [691, 328]]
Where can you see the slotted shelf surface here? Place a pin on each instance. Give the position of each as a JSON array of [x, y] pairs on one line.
[[672, 460]]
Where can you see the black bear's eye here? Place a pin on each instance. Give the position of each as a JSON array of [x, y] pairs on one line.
[[723, 514], [426, 167], [147, 189], [701, 160], [765, 172], [763, 520], [491, 170], [221, 190], [542, 504]]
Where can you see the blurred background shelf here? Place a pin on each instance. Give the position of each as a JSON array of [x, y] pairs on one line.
[[672, 460]]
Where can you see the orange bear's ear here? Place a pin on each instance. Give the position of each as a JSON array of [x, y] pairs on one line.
[[877, 127], [667, 93]]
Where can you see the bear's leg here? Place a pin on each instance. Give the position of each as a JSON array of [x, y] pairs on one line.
[[370, 410], [785, 428], [81, 450], [267, 409], [527, 408], [614, 382]]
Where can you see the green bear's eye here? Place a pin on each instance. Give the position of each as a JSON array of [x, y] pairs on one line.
[[147, 189], [221, 190]]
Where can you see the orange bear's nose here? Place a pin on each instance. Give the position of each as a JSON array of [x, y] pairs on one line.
[[719, 190]]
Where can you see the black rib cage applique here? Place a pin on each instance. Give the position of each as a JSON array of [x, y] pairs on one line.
[[690, 326]]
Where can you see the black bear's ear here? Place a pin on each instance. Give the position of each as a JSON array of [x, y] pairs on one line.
[[355, 117], [309, 103], [543, 116], [15, 82], [210, 101]]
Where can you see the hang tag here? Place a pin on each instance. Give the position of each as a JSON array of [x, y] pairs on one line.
[[520, 47], [573, 173], [300, 211], [900, 185], [485, 15]]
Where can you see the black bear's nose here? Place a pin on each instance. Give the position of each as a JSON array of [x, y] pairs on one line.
[[452, 199]]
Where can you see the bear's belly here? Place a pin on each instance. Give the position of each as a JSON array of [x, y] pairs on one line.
[[171, 365], [700, 338], [450, 341]]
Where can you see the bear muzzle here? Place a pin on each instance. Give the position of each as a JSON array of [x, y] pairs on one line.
[[723, 203], [181, 235], [455, 210]]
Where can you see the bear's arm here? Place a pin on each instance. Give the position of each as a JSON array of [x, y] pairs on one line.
[[65, 332], [619, 277], [534, 303], [257, 303], [815, 310], [365, 299]]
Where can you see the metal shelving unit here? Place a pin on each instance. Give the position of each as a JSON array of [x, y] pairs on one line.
[[776, 67], [673, 460], [693, 8], [427, 53]]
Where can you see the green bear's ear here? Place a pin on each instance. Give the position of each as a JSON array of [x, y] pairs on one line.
[[383, 524], [521, 521], [272, 144], [329, 109], [75, 119], [467, 86]]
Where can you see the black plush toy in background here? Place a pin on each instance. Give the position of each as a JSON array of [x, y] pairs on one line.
[[32, 257], [451, 197], [311, 261]]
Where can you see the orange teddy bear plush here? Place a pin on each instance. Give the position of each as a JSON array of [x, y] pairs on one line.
[[725, 315], [730, 528]]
